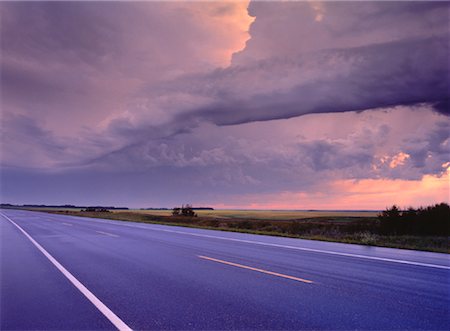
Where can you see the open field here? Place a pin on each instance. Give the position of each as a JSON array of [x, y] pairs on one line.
[[265, 214], [340, 226]]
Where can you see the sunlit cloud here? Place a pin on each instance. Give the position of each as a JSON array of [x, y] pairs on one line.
[[245, 103], [319, 10], [398, 160], [231, 22]]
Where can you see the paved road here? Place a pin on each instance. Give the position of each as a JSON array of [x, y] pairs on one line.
[[67, 272]]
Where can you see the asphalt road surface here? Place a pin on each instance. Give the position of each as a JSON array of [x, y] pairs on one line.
[[65, 272]]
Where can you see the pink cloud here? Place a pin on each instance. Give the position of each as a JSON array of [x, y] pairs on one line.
[[289, 104]]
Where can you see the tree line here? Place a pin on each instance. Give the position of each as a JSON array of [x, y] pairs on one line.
[[424, 221]]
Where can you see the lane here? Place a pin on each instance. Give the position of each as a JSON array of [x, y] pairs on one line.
[[110, 315], [34, 295], [373, 253], [155, 279]]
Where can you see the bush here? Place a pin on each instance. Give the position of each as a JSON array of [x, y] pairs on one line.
[[244, 225], [367, 238], [185, 210], [295, 228], [432, 220]]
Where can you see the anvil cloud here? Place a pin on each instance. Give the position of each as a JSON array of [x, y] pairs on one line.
[[232, 104]]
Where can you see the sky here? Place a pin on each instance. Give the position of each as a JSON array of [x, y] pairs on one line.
[[236, 104]]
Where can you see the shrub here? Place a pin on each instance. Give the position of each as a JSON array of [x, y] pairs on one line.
[[294, 228], [432, 220], [367, 238], [185, 210]]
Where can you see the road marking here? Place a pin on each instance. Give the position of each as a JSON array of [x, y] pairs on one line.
[[68, 224], [107, 234], [374, 258], [113, 318], [256, 269]]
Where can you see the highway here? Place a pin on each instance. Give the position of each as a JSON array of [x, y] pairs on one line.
[[71, 273]]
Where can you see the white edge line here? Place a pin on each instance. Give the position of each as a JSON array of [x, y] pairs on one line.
[[297, 248], [318, 250], [291, 247], [113, 318], [270, 244]]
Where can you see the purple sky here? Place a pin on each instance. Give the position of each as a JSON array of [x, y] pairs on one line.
[[288, 105]]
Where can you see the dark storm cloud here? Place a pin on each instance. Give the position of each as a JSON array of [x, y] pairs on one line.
[[150, 92], [375, 76], [435, 143], [266, 155], [79, 32], [24, 139], [355, 57]]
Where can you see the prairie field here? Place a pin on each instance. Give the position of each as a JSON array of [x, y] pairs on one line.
[[273, 215]]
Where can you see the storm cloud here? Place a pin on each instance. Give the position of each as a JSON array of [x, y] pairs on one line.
[[228, 100]]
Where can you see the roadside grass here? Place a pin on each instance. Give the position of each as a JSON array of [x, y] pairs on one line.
[[271, 215], [346, 228]]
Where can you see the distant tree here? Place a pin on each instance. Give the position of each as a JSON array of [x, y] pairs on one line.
[[390, 220], [392, 213], [185, 210], [409, 221], [434, 220], [429, 221]]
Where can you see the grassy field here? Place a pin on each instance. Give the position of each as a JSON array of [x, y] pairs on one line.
[[347, 227], [272, 215]]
